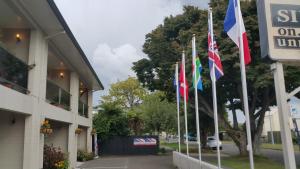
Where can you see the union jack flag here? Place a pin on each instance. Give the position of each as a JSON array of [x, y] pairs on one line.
[[213, 56]]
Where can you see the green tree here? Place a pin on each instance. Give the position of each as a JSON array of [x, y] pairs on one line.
[[125, 94], [164, 45], [111, 121], [135, 121], [158, 114]]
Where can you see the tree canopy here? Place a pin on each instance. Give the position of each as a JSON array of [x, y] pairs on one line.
[[125, 94], [164, 45]]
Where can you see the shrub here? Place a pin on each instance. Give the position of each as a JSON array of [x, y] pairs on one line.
[[54, 158], [84, 156]]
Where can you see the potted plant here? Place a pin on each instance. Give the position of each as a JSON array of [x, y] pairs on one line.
[[46, 127], [78, 130]]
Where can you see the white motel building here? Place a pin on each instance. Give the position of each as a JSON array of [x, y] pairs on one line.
[[44, 76]]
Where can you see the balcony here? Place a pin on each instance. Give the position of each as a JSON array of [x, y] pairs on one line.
[[13, 72], [57, 96], [83, 109]]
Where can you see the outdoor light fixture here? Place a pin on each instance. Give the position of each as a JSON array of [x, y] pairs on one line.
[[61, 75], [18, 38]]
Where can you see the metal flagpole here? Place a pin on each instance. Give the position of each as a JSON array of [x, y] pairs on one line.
[[185, 107], [214, 90], [178, 115], [244, 86], [196, 99]]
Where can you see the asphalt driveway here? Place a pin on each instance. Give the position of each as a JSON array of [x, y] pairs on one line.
[[130, 162]]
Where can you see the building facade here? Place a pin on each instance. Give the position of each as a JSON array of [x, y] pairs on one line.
[[272, 126], [44, 76]]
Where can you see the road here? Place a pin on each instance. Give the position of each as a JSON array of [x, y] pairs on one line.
[[275, 155], [131, 162]]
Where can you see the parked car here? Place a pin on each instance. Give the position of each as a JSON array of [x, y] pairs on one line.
[[212, 143], [191, 137]]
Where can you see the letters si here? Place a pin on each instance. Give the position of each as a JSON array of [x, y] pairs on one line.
[[287, 15]]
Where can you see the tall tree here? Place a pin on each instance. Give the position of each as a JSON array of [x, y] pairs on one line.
[[157, 113], [110, 121], [125, 94], [164, 45]]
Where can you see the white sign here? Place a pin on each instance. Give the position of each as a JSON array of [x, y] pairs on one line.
[[279, 26], [295, 111]]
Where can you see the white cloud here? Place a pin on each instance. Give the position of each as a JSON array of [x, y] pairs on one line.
[[114, 64], [112, 32]]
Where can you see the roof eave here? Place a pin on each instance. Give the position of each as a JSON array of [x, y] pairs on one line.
[[73, 39]]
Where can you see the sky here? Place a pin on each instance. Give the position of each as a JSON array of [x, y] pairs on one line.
[[112, 32]]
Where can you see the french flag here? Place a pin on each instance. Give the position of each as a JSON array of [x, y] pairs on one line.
[[231, 27]]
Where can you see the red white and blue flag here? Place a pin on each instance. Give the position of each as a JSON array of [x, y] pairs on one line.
[[213, 55], [232, 26], [144, 142]]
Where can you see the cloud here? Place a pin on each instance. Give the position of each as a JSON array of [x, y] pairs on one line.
[[114, 64], [112, 32]]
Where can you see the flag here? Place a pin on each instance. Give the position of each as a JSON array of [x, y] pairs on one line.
[[183, 83], [176, 82], [232, 26], [213, 54], [197, 68]]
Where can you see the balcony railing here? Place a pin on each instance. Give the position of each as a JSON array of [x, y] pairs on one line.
[[57, 96], [83, 109], [13, 72]]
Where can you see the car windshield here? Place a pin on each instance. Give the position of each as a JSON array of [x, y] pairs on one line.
[[211, 139]]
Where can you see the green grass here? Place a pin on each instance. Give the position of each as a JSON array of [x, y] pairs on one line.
[[174, 146], [234, 162], [193, 148], [237, 162], [277, 147]]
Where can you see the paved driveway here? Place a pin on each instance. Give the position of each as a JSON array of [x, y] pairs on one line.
[[130, 162]]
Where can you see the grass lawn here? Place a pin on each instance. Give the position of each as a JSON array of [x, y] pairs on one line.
[[237, 162], [277, 147], [234, 162], [174, 146]]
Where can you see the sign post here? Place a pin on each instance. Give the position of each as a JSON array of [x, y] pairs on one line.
[[279, 28], [283, 111]]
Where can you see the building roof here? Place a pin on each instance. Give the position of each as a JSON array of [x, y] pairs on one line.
[[72, 37]]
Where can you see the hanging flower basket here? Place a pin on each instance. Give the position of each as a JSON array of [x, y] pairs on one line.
[[78, 131], [46, 128], [93, 131]]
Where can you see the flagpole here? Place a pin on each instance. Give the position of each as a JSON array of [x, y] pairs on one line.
[[178, 115], [244, 86], [185, 106], [214, 90], [196, 99]]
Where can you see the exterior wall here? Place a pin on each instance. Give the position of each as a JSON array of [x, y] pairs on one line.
[[33, 140], [59, 138], [182, 161], [82, 140], [22, 141], [18, 49], [64, 83], [273, 117], [15, 101], [11, 140]]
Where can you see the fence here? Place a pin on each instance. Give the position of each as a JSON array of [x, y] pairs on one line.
[[131, 145]]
